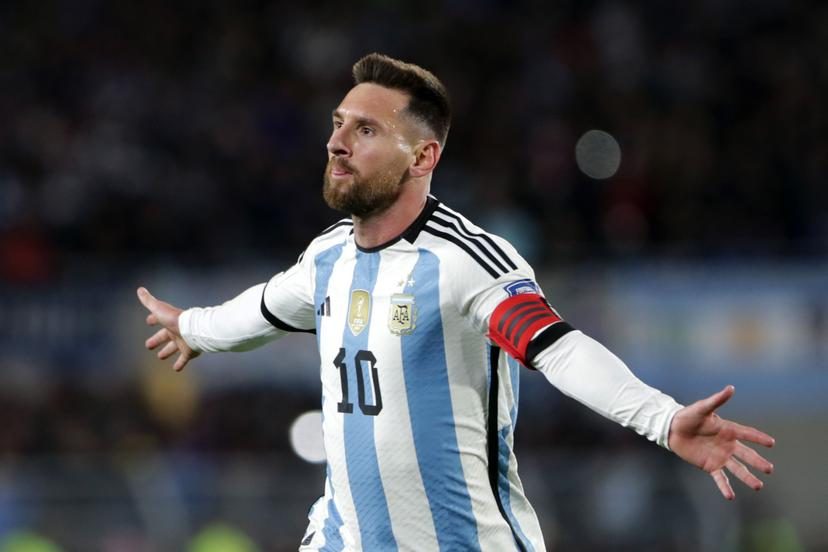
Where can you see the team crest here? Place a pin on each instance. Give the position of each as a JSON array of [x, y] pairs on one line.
[[359, 312], [402, 318]]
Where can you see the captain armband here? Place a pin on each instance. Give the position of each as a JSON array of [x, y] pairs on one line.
[[515, 322]]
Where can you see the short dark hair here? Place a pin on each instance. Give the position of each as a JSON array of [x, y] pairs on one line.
[[429, 101]]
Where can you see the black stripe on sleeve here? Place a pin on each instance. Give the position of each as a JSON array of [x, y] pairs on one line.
[[277, 323], [493, 440], [462, 245], [489, 240], [546, 338], [471, 240]]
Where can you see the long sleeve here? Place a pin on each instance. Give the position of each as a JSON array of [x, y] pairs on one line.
[[585, 370], [237, 325]]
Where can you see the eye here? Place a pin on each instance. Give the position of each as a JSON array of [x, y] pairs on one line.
[[367, 131], [337, 124]]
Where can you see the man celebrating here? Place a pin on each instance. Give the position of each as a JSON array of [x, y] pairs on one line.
[[421, 319]]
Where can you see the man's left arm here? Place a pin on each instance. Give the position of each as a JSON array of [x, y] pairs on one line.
[[587, 371], [513, 313]]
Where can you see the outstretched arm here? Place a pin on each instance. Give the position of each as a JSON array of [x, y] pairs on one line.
[[585, 370], [236, 325], [701, 437], [169, 335]]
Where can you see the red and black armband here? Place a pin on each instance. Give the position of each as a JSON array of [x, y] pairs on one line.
[[517, 319]]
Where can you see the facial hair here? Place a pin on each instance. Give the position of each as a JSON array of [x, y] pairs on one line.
[[361, 196]]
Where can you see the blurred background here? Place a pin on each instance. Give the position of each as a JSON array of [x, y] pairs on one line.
[[180, 145]]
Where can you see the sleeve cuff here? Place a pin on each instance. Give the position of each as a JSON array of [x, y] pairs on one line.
[[184, 328], [664, 441]]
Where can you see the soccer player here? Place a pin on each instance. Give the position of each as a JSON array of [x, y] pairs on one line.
[[422, 320]]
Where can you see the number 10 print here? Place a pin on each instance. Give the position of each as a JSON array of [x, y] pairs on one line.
[[347, 407]]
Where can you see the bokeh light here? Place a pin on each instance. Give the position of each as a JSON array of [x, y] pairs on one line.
[[598, 154], [306, 437]]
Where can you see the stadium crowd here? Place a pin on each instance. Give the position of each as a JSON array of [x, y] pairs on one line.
[[195, 131]]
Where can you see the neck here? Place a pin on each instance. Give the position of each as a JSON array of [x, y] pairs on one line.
[[379, 228]]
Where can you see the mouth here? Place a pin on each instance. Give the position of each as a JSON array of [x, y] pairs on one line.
[[339, 169]]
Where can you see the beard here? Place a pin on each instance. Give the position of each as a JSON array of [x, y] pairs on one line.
[[358, 195]]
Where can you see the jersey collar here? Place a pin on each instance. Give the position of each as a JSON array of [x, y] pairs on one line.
[[409, 234]]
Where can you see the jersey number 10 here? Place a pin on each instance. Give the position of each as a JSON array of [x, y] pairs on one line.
[[348, 407]]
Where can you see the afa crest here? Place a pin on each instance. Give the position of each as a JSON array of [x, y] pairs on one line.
[[402, 317]]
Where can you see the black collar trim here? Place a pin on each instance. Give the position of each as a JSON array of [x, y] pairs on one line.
[[409, 234]]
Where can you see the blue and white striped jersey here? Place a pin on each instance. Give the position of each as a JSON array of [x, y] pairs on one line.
[[419, 399], [419, 407]]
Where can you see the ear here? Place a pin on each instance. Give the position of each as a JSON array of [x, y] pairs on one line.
[[426, 156]]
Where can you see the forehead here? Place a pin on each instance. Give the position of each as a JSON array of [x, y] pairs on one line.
[[368, 100]]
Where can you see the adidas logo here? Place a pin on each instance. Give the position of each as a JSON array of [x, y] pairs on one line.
[[325, 308]]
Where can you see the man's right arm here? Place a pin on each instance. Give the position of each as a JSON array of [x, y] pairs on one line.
[[257, 316], [236, 325]]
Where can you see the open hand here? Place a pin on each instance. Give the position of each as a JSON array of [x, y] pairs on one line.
[[167, 316], [700, 436]]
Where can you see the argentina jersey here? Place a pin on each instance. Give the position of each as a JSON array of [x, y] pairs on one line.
[[419, 397]]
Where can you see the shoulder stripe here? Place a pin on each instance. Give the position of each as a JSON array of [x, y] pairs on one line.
[[471, 240], [332, 227], [442, 209], [462, 245]]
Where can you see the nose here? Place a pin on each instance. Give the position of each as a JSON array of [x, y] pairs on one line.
[[337, 145]]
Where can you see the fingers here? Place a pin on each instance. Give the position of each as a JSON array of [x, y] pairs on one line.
[[168, 350], [723, 483], [182, 360], [739, 470], [146, 298], [172, 346], [745, 433], [713, 402], [158, 338], [753, 458], [150, 303]]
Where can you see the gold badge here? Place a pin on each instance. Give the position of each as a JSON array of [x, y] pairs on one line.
[[402, 317], [359, 311]]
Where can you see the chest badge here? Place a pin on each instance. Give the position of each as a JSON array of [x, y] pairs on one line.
[[402, 317], [359, 312]]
